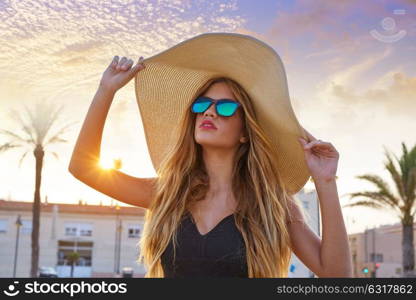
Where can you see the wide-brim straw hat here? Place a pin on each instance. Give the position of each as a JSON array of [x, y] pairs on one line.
[[168, 84]]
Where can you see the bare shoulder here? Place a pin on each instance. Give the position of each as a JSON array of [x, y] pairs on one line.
[[295, 211]]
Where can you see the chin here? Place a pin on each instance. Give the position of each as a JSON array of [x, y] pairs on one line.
[[211, 142]]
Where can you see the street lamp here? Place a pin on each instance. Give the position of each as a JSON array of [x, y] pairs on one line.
[[117, 165], [117, 242], [18, 225], [119, 229]]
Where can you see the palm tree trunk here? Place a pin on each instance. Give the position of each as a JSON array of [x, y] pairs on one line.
[[39, 153], [408, 250], [72, 270]]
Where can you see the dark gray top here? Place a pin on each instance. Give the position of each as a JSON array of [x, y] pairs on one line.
[[219, 253]]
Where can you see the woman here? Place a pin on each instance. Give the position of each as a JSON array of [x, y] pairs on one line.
[[218, 207]]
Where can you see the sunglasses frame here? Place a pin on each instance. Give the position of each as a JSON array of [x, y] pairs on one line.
[[216, 102]]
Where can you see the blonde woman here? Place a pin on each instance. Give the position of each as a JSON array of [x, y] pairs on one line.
[[219, 206]]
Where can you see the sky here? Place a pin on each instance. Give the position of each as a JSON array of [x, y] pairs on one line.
[[350, 66]]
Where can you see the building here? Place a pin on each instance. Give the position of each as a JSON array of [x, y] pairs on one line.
[[309, 201], [377, 252], [91, 230]]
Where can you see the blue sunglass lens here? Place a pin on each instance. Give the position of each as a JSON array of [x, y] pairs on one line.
[[200, 105], [226, 109]]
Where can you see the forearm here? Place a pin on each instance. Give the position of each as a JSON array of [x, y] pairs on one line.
[[335, 252], [87, 148]]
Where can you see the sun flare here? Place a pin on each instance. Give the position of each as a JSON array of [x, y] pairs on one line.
[[109, 162]]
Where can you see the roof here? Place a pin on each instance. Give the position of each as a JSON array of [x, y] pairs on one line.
[[72, 208]]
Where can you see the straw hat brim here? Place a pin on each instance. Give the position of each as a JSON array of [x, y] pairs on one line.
[[167, 86]]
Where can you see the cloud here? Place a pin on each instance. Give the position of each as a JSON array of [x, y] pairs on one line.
[[57, 50], [349, 99], [323, 29], [348, 76], [396, 99], [355, 111], [50, 46]]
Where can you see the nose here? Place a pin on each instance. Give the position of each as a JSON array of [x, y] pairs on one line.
[[211, 111]]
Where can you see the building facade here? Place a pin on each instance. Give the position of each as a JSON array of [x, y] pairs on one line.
[[310, 204], [106, 238], [377, 252]]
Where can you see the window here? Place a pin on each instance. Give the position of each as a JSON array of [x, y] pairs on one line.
[[85, 229], [65, 248], [78, 229], [26, 227], [3, 226], [378, 257], [133, 231], [72, 231]]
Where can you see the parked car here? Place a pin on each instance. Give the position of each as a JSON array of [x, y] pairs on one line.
[[127, 272], [48, 272]]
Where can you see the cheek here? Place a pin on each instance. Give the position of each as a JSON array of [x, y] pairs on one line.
[[233, 128], [197, 120]]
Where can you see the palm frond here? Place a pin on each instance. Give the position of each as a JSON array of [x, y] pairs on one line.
[[56, 137], [409, 162], [13, 135], [21, 159], [14, 114], [54, 115], [36, 121], [413, 213], [411, 187], [397, 177], [56, 155], [382, 186], [8, 146], [371, 204], [376, 197]]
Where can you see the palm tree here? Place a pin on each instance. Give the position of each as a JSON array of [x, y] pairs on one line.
[[403, 205], [35, 126], [73, 258]]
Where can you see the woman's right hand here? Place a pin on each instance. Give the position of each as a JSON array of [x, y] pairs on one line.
[[118, 73]]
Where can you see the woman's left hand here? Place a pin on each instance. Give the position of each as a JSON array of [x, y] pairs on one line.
[[321, 158]]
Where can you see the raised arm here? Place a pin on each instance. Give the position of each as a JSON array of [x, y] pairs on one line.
[[84, 164]]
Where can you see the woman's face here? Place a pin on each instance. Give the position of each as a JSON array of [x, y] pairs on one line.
[[228, 130]]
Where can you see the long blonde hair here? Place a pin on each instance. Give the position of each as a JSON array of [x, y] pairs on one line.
[[262, 212]]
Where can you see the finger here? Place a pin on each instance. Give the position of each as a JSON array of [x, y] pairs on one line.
[[127, 65], [323, 147], [326, 146], [139, 65], [121, 62], [310, 136], [302, 141], [114, 62], [320, 153], [315, 143]]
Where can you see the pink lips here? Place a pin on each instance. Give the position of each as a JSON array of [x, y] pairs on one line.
[[207, 125]]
